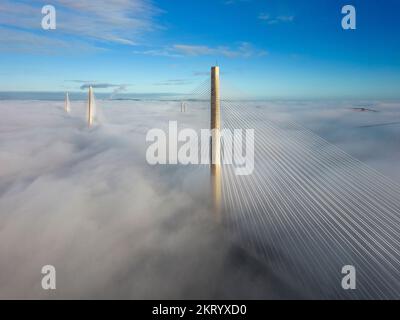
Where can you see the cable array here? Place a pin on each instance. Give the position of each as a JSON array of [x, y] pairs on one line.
[[309, 208]]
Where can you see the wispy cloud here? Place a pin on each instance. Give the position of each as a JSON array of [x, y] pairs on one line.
[[285, 18], [267, 18], [229, 2], [116, 21], [201, 73], [242, 50], [174, 82], [21, 41], [162, 52], [264, 16], [85, 84], [102, 86]]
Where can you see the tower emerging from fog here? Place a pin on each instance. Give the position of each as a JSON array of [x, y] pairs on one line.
[[216, 142], [90, 107], [67, 106], [183, 106]]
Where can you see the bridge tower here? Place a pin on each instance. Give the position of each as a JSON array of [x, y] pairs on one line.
[[216, 183], [90, 107], [67, 106]]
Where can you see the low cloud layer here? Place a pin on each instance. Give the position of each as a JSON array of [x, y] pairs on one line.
[[86, 201]]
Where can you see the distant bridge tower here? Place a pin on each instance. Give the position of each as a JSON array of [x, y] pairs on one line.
[[90, 107], [183, 106], [67, 106], [216, 142]]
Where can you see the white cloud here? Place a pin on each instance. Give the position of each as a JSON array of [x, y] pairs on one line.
[[114, 227], [23, 41], [242, 50], [116, 21], [285, 18], [267, 18], [174, 82], [86, 202], [263, 16], [163, 52], [230, 2]]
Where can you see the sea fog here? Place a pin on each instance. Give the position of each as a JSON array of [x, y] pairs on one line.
[[86, 201]]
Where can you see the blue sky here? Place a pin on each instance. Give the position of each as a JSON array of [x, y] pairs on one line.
[[267, 49]]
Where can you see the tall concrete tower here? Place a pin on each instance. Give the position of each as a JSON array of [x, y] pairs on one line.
[[90, 107], [216, 184], [67, 106], [183, 106]]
